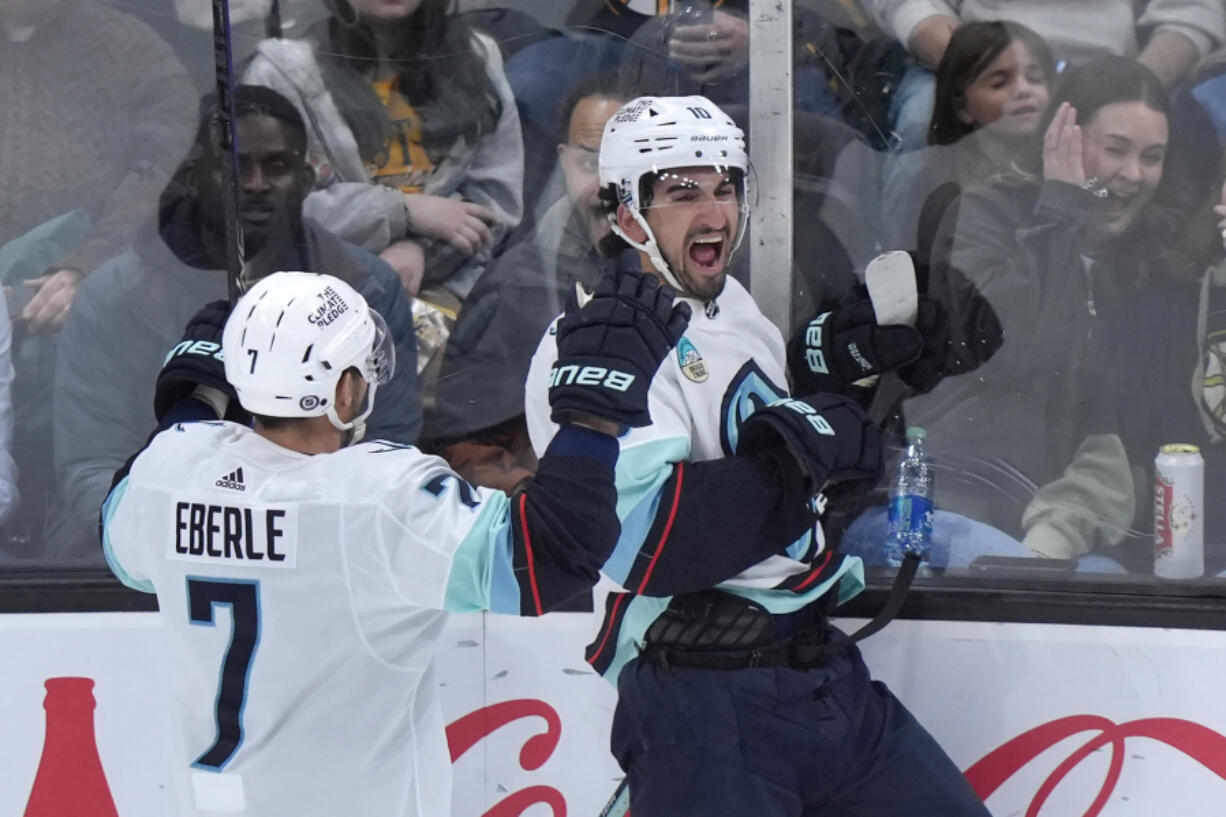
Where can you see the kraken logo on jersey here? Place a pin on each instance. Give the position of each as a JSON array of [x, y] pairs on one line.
[[692, 364], [749, 391]]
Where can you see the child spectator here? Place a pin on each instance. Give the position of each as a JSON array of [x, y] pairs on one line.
[[993, 86]]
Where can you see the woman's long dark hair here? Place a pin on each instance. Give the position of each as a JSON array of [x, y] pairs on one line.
[[1155, 238], [440, 68], [971, 50]]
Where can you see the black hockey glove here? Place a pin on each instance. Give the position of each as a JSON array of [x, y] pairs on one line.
[[830, 435], [932, 365], [846, 344], [196, 361], [609, 350]]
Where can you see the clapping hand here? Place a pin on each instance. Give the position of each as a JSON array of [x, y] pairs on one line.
[[1062, 158]]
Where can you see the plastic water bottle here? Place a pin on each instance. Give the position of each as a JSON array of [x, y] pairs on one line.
[[911, 502]]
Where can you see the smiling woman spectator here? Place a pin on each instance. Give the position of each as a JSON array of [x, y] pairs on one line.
[[1063, 257]]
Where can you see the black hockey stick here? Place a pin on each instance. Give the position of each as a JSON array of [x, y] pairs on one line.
[[272, 21], [227, 148]]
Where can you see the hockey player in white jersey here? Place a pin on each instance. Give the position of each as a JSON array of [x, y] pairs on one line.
[[736, 696], [303, 580]]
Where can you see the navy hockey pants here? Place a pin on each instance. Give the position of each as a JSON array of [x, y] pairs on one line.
[[779, 742]]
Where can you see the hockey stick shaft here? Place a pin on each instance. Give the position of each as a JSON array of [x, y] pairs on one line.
[[272, 20], [619, 803], [227, 146]]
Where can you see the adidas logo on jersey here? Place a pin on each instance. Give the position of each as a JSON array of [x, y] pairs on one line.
[[232, 480]]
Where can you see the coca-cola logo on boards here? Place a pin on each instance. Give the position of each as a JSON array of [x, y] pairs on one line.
[[1197, 742], [70, 747], [987, 775], [471, 729]]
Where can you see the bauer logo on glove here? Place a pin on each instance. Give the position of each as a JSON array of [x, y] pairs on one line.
[[609, 349], [590, 376], [817, 421], [195, 347]]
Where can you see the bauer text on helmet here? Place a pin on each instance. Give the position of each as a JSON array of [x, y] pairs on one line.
[[655, 144], [292, 336]]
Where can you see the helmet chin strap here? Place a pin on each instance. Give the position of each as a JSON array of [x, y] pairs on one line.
[[355, 429], [652, 249]]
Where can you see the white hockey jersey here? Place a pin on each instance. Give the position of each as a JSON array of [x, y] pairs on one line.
[[302, 597], [730, 361]]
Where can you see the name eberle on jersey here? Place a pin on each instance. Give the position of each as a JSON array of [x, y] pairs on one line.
[[206, 532]]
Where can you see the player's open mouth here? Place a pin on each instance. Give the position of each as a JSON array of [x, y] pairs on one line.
[[707, 251]]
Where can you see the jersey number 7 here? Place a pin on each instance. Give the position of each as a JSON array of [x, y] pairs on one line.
[[243, 599]]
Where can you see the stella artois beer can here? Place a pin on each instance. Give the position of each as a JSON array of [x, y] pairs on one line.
[[1179, 512]]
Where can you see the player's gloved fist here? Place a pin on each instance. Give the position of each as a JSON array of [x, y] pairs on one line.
[[931, 367], [195, 361], [830, 435], [846, 344], [609, 350]]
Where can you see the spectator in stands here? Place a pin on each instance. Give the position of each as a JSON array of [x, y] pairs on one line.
[[1209, 380], [1189, 322], [679, 47], [1032, 441], [1198, 136], [8, 469], [478, 420], [1167, 36], [993, 86], [131, 310], [414, 137], [97, 112], [702, 47]]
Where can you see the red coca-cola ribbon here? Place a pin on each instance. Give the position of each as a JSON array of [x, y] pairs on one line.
[[471, 729], [1198, 742]]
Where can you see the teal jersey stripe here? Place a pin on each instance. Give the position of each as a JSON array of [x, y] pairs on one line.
[[849, 578], [482, 575], [641, 473], [800, 547], [640, 613], [109, 506]]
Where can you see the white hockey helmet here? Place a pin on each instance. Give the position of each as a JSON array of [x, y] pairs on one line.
[[651, 134], [291, 337]]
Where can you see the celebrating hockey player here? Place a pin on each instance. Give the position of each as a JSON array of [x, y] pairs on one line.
[[736, 696], [303, 580]]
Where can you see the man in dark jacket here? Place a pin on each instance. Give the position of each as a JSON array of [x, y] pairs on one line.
[[477, 422], [131, 310]]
